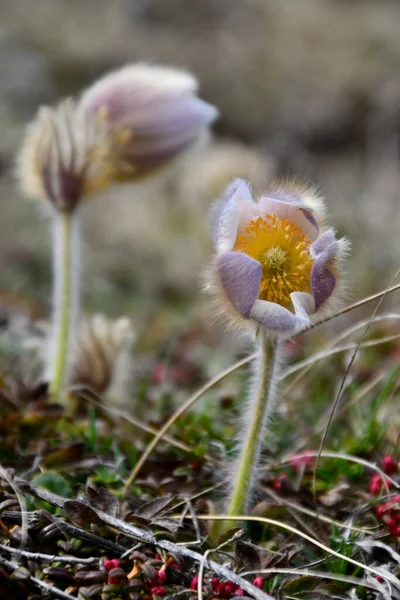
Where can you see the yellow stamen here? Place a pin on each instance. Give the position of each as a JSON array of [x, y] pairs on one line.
[[284, 253]]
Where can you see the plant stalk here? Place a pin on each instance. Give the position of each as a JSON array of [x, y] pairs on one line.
[[66, 297], [262, 402]]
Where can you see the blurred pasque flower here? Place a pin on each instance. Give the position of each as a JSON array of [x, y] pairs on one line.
[[275, 266], [102, 358], [125, 125], [152, 115], [65, 155]]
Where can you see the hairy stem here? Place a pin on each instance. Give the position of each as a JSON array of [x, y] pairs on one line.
[[262, 400], [66, 297]]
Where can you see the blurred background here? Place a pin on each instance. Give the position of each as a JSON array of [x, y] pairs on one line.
[[305, 87]]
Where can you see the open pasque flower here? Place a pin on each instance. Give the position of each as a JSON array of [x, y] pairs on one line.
[[275, 264]]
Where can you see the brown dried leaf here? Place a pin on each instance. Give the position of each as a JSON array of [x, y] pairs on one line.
[[170, 525], [80, 513], [253, 557], [154, 507], [103, 500]]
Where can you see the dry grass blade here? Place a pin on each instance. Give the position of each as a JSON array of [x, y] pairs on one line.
[[358, 304], [314, 358], [312, 513], [344, 379], [356, 459], [387, 576], [319, 574]]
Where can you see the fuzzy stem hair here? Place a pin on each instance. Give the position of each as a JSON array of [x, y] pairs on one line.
[[255, 420], [66, 269]]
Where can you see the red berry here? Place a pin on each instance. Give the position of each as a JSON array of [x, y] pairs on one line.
[[229, 588], [396, 531], [111, 564], [113, 580], [280, 481], [305, 459], [258, 582], [214, 583], [389, 464], [161, 576], [158, 590], [194, 582], [391, 524], [375, 484], [380, 510], [239, 592]]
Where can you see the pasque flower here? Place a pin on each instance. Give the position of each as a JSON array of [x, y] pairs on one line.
[[152, 114], [129, 123], [276, 269], [275, 265]]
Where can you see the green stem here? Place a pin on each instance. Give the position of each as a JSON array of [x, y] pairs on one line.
[[65, 299], [255, 420]]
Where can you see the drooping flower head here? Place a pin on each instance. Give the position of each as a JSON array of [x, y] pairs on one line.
[[152, 113], [275, 265], [125, 125]]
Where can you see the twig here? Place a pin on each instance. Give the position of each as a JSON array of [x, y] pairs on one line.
[[38, 582], [49, 557], [137, 533], [91, 538]]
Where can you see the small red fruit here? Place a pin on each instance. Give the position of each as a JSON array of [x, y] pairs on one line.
[[389, 464], [194, 583], [258, 582], [159, 590], [111, 564]]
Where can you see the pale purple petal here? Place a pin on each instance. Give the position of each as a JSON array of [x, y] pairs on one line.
[[292, 209], [227, 220], [275, 317], [240, 277], [155, 109], [322, 243], [323, 281], [167, 116], [134, 88], [303, 303]]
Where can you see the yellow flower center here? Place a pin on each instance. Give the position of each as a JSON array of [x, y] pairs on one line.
[[283, 251]]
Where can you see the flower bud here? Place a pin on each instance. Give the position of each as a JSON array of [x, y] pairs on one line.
[[152, 115]]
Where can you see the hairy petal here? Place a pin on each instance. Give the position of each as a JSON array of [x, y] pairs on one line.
[[227, 220], [276, 318], [323, 281], [133, 88], [292, 210], [240, 278], [322, 243], [303, 303]]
